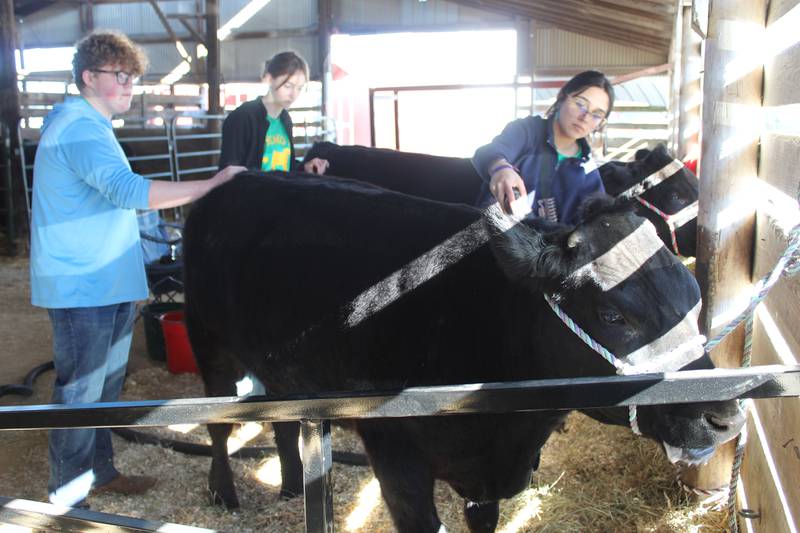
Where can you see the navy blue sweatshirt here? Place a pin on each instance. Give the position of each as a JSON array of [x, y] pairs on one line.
[[528, 144]]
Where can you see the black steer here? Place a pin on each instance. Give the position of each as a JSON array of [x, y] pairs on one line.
[[666, 190], [453, 179], [318, 285]]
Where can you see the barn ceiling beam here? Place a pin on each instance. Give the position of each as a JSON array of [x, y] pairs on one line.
[[644, 8], [645, 40], [580, 11], [640, 73], [184, 20], [163, 19], [594, 13]]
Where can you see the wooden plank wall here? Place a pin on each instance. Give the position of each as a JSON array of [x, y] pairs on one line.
[[771, 468]]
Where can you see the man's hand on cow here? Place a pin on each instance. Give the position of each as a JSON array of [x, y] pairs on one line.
[[316, 166], [502, 186]]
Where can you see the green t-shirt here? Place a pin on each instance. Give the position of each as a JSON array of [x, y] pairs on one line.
[[277, 150], [562, 157]]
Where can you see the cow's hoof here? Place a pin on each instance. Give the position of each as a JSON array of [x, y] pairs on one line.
[[229, 501], [287, 494]]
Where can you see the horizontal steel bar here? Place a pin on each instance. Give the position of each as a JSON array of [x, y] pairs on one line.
[[199, 152], [148, 157], [38, 515], [196, 170], [198, 136], [157, 175], [133, 139], [532, 395]]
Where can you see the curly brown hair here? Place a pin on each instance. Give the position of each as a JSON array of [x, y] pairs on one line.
[[107, 47]]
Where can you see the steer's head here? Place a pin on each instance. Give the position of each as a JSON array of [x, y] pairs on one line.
[[659, 183], [615, 279]]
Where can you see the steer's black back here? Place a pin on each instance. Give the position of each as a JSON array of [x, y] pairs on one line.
[[445, 179], [284, 261]]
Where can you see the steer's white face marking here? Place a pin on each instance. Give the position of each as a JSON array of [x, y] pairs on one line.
[[624, 259], [674, 349], [665, 172]]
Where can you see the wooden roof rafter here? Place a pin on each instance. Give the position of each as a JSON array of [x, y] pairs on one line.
[[645, 24]]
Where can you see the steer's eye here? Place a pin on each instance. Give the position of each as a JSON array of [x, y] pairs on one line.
[[611, 317], [676, 197]]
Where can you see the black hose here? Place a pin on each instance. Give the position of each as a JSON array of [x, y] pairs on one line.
[[26, 387], [189, 448]]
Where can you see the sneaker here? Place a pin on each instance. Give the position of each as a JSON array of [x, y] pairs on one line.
[[127, 485]]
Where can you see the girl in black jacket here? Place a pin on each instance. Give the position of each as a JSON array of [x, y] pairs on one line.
[[258, 133]]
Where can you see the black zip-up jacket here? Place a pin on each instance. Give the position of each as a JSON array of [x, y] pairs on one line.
[[243, 133]]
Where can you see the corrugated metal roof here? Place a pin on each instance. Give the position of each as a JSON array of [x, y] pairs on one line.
[[243, 60], [163, 58], [559, 48], [59, 24], [276, 15], [353, 15]]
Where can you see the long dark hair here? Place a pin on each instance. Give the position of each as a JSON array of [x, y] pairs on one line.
[[285, 64], [581, 82]]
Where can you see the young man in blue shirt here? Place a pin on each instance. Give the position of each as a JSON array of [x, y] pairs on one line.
[[87, 267]]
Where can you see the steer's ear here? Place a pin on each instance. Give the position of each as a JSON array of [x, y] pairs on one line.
[[530, 253]]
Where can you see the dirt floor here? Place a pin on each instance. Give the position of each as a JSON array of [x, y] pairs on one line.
[[592, 477]]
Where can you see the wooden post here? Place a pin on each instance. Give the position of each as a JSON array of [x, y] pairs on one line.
[[731, 107], [9, 91], [675, 72], [212, 60], [325, 15], [690, 91], [526, 56], [9, 114]]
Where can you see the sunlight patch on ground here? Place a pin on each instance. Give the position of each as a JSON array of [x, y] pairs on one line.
[[368, 498], [269, 473], [242, 436], [531, 507], [183, 428]]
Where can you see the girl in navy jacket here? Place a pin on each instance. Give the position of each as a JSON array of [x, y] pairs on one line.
[[547, 159]]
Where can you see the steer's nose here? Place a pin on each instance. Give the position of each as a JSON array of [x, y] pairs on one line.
[[725, 423]]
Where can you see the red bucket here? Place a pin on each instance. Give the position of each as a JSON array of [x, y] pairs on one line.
[[179, 352]]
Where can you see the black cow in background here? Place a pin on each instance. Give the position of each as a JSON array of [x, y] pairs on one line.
[[322, 284], [453, 179], [444, 179], [666, 190]]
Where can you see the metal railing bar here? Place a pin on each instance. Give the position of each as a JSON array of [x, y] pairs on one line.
[[165, 174], [317, 461], [143, 139], [198, 153], [197, 170], [37, 515], [148, 157], [198, 136], [533, 395]]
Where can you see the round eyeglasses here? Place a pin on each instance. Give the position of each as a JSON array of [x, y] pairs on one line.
[[122, 77], [582, 105]]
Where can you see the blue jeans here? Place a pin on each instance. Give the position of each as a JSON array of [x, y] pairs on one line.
[[90, 347]]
